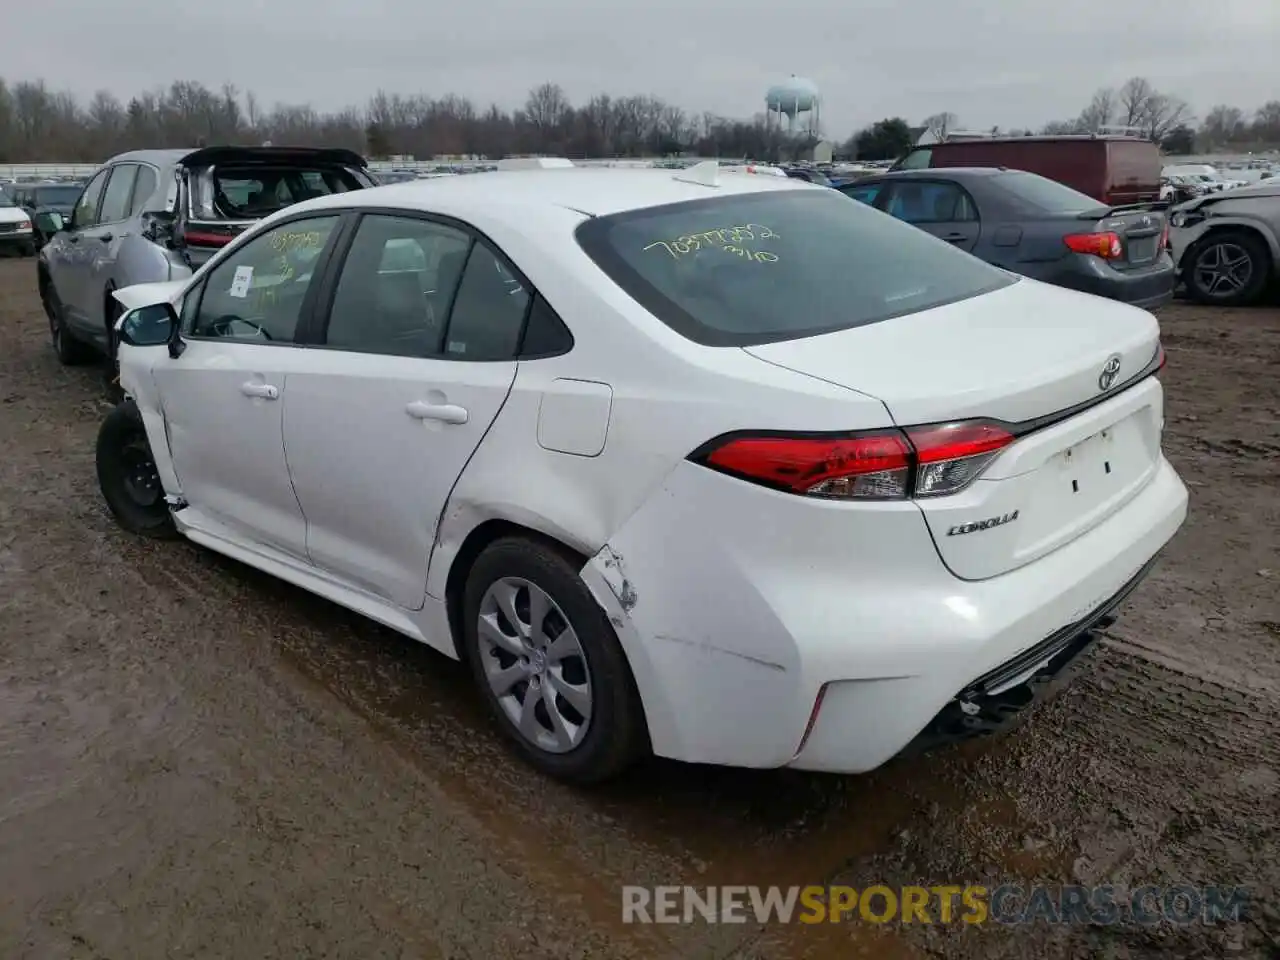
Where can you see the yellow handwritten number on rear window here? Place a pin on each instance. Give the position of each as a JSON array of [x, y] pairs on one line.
[[729, 239]]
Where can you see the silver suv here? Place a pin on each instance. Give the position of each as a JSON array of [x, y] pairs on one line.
[[156, 215]]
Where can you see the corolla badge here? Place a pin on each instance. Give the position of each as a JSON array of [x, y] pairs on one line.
[[974, 526], [1110, 371]]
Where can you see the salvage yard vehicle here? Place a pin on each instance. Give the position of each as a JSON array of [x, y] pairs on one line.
[[1034, 226], [156, 215], [1227, 245], [49, 206], [1115, 170], [718, 466], [15, 227]]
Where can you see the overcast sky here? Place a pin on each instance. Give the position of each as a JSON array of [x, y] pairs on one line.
[[1008, 62]]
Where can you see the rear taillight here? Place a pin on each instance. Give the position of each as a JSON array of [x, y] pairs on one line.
[[201, 239], [879, 465], [1161, 358], [1164, 238], [1105, 245], [951, 456]]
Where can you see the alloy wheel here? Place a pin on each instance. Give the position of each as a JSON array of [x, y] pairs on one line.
[[534, 664], [1223, 269]]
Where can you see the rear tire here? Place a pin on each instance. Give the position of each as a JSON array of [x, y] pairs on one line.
[[1228, 268], [586, 722], [128, 477]]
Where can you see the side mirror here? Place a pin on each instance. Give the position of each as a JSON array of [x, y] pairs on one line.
[[149, 326], [49, 222]]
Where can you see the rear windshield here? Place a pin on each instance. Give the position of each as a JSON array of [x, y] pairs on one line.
[[228, 192], [58, 196], [779, 265], [1042, 195]]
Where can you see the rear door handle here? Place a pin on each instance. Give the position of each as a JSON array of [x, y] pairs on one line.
[[107, 237], [264, 391], [444, 412], [956, 237]]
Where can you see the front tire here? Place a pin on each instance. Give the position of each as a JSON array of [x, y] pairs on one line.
[[111, 367], [128, 477], [1228, 268], [549, 665], [69, 351]]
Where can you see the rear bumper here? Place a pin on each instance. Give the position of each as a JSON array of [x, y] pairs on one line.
[[999, 698], [739, 610], [1147, 288]]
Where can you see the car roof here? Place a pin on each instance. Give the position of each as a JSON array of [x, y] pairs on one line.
[[933, 173], [591, 191]]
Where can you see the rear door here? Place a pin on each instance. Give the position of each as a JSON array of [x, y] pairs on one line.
[[940, 207], [416, 356]]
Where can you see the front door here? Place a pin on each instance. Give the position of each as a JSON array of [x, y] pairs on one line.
[[69, 257], [381, 423], [223, 397]]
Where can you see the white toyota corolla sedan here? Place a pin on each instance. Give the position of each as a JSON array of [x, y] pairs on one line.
[[722, 466]]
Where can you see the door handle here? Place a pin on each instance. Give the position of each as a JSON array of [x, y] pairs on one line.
[[956, 238], [264, 391], [444, 412], [107, 237], [73, 238]]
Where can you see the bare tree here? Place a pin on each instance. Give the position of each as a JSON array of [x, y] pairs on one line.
[[940, 124], [1099, 112]]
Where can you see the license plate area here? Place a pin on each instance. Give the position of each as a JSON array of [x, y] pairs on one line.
[[1143, 249]]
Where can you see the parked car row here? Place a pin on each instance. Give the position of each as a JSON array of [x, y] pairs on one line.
[[157, 215], [703, 463]]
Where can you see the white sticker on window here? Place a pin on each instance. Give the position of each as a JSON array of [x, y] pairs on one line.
[[456, 346], [240, 282]]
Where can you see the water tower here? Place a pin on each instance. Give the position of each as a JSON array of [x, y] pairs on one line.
[[799, 101]]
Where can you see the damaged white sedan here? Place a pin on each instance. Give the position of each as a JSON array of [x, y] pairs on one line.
[[724, 467]]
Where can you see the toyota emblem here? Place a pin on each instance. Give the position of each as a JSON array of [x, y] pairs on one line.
[[1109, 372]]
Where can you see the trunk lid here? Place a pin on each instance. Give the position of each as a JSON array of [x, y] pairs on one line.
[[1025, 353], [1140, 229]]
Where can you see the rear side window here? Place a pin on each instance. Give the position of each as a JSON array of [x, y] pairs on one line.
[[1037, 194], [925, 201], [915, 160], [142, 190], [115, 202], [778, 265]]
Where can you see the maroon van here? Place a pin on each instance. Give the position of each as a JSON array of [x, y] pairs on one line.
[[1114, 170]]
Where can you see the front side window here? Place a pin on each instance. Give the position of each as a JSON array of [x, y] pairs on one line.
[[396, 285], [778, 265], [86, 211], [257, 292]]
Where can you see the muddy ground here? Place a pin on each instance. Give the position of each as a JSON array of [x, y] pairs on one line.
[[198, 761]]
